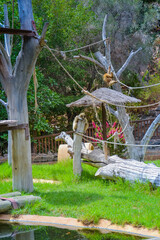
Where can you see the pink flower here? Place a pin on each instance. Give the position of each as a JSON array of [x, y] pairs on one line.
[[97, 135], [107, 124], [93, 123], [114, 124], [98, 129], [94, 140], [113, 131], [121, 136]]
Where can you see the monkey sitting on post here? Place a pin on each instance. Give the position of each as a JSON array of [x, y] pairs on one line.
[[108, 78], [81, 116]]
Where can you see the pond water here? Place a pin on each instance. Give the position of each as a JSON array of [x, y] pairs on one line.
[[21, 232]]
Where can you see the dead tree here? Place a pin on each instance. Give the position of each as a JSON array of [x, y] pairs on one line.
[[15, 81], [104, 62]]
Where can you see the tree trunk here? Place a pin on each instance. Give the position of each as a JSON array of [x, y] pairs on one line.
[[21, 148], [15, 83], [10, 148], [134, 151]]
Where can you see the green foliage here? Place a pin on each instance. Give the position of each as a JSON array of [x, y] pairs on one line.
[[3, 116], [152, 94], [66, 20], [48, 102], [6, 171], [3, 112], [68, 28]]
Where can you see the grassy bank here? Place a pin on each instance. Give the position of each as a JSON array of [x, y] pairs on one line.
[[89, 198]]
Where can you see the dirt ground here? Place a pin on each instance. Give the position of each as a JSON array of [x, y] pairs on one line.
[[73, 224]]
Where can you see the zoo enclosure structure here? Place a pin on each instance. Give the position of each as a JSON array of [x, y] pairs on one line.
[[47, 143]]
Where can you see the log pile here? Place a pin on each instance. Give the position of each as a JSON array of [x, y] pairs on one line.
[[115, 167]]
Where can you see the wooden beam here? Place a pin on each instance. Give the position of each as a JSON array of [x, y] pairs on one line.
[[22, 32], [24, 126], [8, 122]]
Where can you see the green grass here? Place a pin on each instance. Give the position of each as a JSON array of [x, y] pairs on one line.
[[89, 198]]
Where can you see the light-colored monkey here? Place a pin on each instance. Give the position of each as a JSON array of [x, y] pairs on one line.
[[81, 116]]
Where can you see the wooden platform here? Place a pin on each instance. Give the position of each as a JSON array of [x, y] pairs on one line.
[[21, 32], [7, 125]]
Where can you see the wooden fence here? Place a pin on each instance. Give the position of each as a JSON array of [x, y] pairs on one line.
[[47, 143], [140, 127]]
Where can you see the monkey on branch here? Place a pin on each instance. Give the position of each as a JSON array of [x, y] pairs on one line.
[[108, 78]]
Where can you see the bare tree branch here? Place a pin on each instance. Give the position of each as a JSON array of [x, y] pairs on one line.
[[30, 50], [91, 60], [12, 36], [127, 62], [7, 36], [44, 30], [6, 58], [101, 59], [112, 111], [106, 41], [104, 30], [148, 135], [4, 72], [108, 53], [4, 104]]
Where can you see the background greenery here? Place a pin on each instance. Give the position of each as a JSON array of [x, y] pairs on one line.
[[74, 24]]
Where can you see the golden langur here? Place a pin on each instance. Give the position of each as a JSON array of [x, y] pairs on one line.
[[108, 78]]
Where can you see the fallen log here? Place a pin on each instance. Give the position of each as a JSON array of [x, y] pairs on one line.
[[12, 194], [96, 158], [20, 200], [131, 170]]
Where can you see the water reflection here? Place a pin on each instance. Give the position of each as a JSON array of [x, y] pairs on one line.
[[21, 232]]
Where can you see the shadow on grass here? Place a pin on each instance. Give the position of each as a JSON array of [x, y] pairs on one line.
[[70, 198]]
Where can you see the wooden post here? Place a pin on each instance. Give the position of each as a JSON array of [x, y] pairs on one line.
[[77, 146], [104, 119]]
